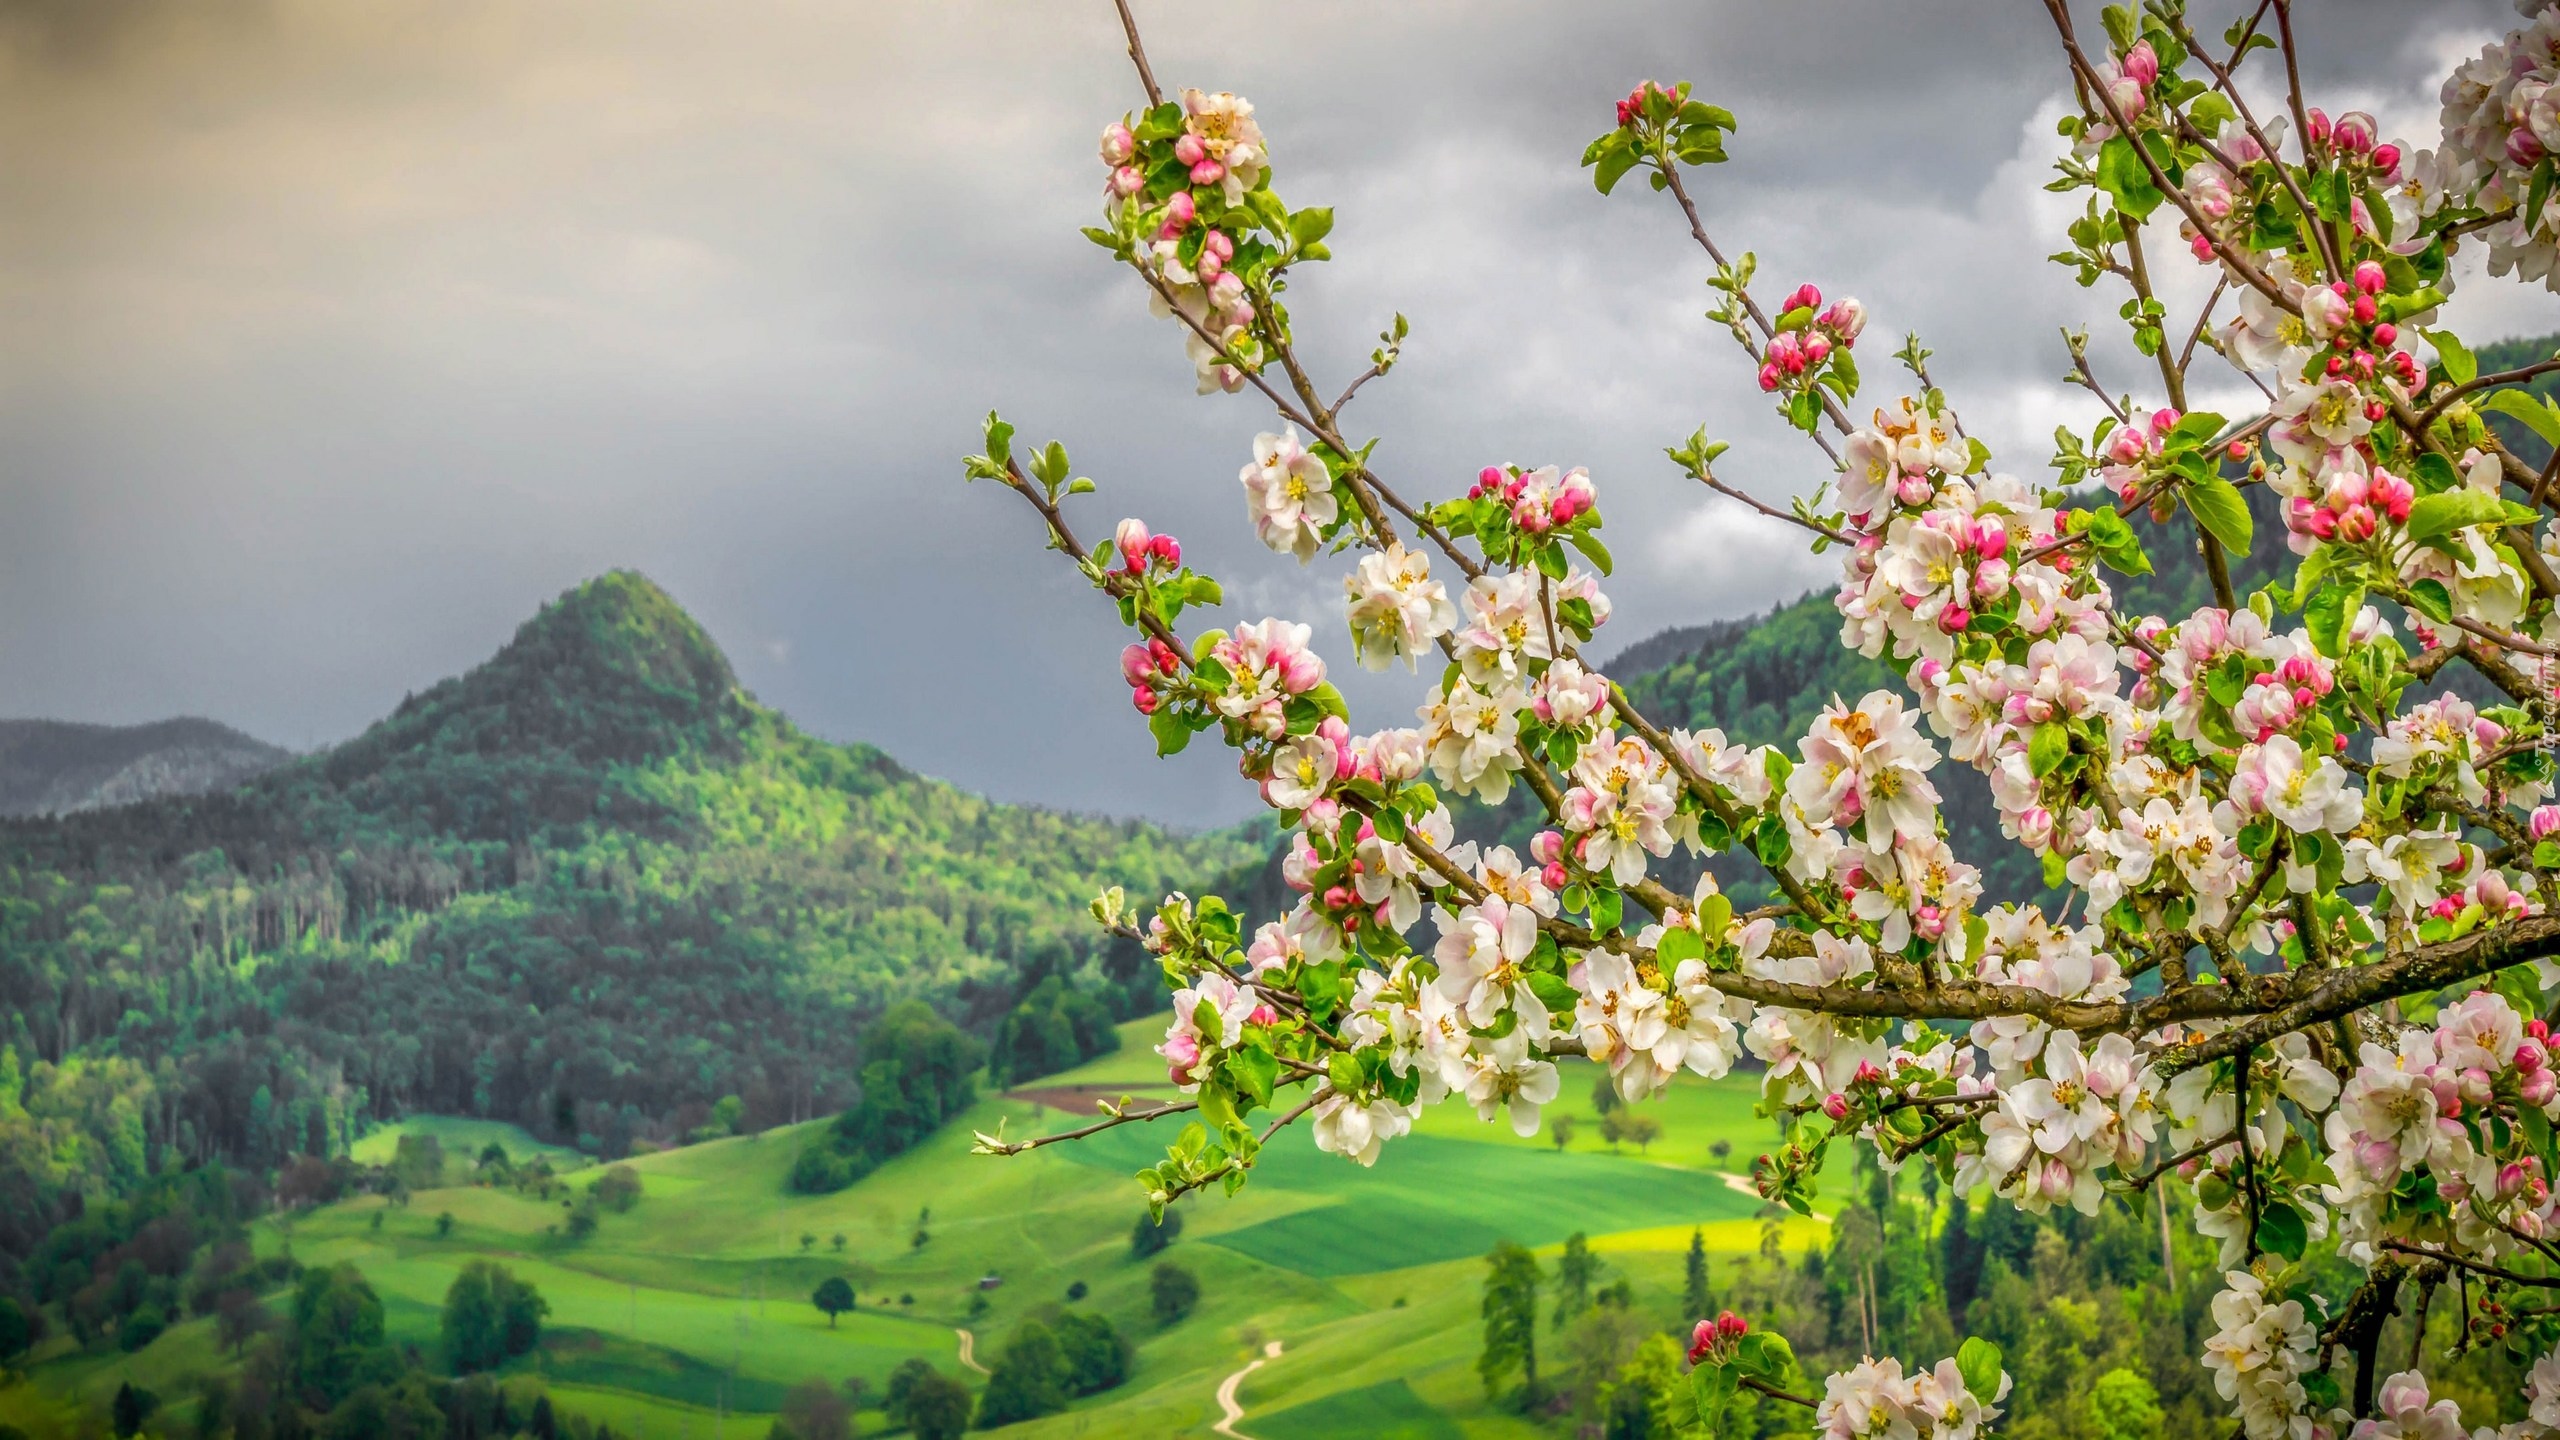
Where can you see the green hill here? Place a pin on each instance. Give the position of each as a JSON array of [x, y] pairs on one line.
[[589, 888]]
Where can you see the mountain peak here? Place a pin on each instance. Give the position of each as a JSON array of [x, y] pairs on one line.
[[612, 672], [621, 626]]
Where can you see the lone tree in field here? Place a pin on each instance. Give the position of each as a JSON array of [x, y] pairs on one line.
[[490, 1317], [834, 1296], [1171, 1292], [2302, 975], [1510, 1312]]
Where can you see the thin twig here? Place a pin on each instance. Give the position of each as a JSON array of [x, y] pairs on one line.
[[1138, 55]]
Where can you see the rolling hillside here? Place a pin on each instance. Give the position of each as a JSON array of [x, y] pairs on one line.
[[696, 1301]]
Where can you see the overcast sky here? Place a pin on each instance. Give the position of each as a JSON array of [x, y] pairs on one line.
[[335, 338]]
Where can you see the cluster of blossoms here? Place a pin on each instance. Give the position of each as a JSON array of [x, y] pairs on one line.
[[2272, 786], [2261, 1348], [1807, 335], [2501, 127], [1188, 175], [1874, 1400], [2442, 1103]]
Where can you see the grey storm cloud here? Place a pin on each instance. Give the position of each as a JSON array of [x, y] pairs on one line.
[[334, 338]]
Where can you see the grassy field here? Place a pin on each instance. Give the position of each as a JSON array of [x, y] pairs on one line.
[[689, 1316], [463, 1140]]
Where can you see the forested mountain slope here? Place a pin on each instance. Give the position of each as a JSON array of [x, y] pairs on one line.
[[591, 886], [56, 767]]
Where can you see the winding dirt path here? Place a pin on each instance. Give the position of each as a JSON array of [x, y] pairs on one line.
[[969, 1351], [1227, 1393]]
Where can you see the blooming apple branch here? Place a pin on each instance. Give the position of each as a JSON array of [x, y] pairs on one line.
[[2316, 933]]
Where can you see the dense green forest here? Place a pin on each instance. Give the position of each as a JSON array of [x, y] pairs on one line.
[[591, 887], [2099, 1318]]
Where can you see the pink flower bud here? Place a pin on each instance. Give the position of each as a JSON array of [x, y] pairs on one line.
[[1954, 618], [2523, 151], [1554, 876], [1771, 377], [1189, 150], [2386, 158], [2369, 278], [1137, 664], [1128, 180], [1208, 172], [1845, 320], [1817, 348], [1144, 697], [1914, 488], [1181, 1052], [2537, 1088], [1836, 1105], [1731, 1326], [2141, 64], [1262, 1014], [1180, 211], [1787, 352], [2035, 827], [1803, 297], [1704, 1337], [1546, 847], [1118, 145], [2530, 1056], [2355, 132], [2365, 309], [1337, 898], [1166, 549], [1132, 538], [1990, 538], [2319, 127]]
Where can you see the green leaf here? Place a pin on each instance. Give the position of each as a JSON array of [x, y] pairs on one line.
[[1613, 166], [1772, 843], [1563, 749], [2196, 427], [1712, 1387], [2331, 610], [2431, 600], [1170, 731], [2217, 506], [2534, 411], [1765, 1354], [1256, 1070], [2281, 1231], [1805, 411], [1216, 1105], [2048, 747], [2453, 357], [1311, 225], [2123, 176], [999, 441], [1978, 1361], [2434, 474], [1551, 561], [1592, 550], [1677, 944], [2434, 517]]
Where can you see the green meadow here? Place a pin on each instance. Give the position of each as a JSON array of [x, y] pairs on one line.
[[690, 1315]]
